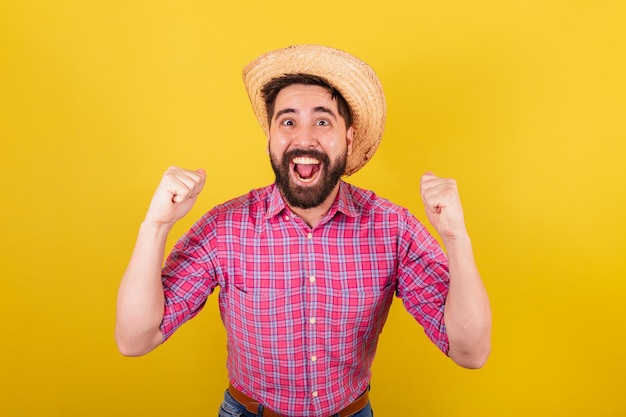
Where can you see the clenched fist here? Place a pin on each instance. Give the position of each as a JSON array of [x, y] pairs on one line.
[[443, 206], [175, 195]]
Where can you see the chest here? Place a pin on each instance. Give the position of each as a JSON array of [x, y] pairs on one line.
[[353, 258]]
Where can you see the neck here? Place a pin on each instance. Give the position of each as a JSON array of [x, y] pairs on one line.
[[312, 216]]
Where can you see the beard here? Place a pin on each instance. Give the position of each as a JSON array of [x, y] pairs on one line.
[[308, 197]]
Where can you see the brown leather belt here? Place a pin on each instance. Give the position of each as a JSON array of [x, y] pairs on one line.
[[253, 406]]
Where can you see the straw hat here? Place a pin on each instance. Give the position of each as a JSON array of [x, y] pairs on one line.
[[353, 78]]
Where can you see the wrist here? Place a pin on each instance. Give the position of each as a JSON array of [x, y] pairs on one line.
[[454, 242], [155, 228]]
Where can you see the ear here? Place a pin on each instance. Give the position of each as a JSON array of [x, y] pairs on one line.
[[349, 138], [267, 149]]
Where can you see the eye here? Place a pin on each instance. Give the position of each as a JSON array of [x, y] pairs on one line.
[[322, 122], [288, 122]]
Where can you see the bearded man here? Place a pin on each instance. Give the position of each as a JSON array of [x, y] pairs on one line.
[[307, 266]]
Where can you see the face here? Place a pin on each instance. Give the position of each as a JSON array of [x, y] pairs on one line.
[[308, 144]]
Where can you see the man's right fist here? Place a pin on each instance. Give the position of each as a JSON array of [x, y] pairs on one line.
[[175, 195]]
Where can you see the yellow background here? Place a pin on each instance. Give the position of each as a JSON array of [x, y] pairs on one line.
[[523, 102]]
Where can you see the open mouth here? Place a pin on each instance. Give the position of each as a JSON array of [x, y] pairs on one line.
[[306, 169]]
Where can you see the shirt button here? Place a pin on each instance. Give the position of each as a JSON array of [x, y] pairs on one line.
[[309, 236], [313, 358], [312, 320], [312, 279], [286, 217], [314, 394]]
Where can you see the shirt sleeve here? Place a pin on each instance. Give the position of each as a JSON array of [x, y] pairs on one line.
[[188, 277], [423, 279]]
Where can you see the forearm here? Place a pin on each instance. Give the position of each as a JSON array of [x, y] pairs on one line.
[[467, 312], [140, 299]]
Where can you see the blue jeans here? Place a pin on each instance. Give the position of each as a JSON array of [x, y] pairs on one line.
[[232, 408]]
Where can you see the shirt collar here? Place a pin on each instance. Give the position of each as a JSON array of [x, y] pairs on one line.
[[344, 202], [275, 202]]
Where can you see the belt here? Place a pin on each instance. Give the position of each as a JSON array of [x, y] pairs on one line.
[[253, 406]]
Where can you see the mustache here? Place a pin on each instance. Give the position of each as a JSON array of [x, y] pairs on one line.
[[311, 153]]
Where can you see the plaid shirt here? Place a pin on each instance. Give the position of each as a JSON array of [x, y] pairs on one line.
[[303, 308]]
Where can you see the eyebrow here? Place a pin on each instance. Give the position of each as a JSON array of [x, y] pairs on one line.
[[323, 109], [283, 111], [318, 109]]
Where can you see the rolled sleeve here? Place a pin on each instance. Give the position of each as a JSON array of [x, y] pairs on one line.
[[423, 280], [187, 279]]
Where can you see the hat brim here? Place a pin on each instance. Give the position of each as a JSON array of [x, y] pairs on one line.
[[354, 79]]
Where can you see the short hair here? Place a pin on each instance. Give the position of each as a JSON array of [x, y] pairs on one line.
[[270, 91]]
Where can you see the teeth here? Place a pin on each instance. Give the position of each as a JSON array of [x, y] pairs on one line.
[[303, 160]]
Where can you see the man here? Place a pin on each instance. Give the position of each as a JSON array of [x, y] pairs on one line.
[[307, 266]]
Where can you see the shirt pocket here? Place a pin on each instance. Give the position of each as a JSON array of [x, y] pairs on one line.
[[355, 320], [264, 323]]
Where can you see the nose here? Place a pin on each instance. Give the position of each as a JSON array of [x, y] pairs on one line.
[[305, 137]]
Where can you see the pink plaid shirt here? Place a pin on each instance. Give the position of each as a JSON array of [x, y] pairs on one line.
[[303, 308]]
